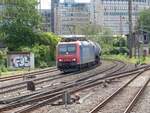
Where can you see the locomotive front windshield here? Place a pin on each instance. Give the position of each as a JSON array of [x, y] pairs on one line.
[[67, 49]]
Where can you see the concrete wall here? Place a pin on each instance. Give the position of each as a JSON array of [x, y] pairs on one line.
[[20, 60]]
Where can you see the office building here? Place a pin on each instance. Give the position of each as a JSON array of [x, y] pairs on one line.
[[70, 15], [113, 14], [46, 20]]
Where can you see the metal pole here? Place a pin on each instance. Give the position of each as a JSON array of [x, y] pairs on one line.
[[121, 25], [138, 51], [130, 27], [52, 15]]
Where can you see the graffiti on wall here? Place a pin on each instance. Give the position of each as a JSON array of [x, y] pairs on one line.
[[18, 61]]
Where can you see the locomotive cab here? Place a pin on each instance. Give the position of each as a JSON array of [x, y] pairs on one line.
[[67, 56]]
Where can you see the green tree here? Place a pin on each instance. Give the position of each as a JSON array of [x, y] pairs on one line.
[[119, 45], [20, 23], [108, 43], [50, 40], [144, 20], [98, 34], [88, 29]]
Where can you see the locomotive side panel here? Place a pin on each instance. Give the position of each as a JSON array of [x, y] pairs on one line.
[[97, 49], [86, 53]]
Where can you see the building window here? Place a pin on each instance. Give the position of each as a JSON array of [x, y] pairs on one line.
[[145, 38]]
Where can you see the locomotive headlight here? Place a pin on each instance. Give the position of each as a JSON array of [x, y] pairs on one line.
[[60, 60], [74, 59]]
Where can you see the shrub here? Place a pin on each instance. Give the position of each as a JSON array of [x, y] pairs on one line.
[[3, 60], [119, 50], [42, 55], [44, 49]]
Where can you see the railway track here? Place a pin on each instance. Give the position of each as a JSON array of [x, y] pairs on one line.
[[54, 98], [22, 85], [39, 72], [53, 95], [38, 91], [114, 100]]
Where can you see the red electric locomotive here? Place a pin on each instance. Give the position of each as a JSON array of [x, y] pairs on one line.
[[76, 54]]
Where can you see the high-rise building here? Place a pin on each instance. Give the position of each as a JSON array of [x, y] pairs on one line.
[[113, 14], [46, 16], [46, 20], [70, 15]]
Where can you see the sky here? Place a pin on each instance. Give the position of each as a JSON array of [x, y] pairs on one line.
[[46, 3]]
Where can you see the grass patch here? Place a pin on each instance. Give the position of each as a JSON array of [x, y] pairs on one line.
[[10, 72], [16, 72], [125, 58]]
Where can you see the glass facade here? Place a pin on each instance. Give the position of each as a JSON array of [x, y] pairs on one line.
[[46, 20], [70, 15], [114, 13]]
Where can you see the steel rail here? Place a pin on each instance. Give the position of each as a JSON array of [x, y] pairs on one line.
[[37, 105], [16, 76], [83, 86], [23, 82], [100, 105], [38, 94], [135, 99], [28, 101], [78, 84], [20, 97], [79, 88], [95, 74], [35, 79], [69, 85], [13, 99], [37, 72], [39, 81], [30, 108], [91, 75]]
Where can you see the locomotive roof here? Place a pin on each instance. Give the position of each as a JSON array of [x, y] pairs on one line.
[[71, 42], [78, 42], [70, 38]]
